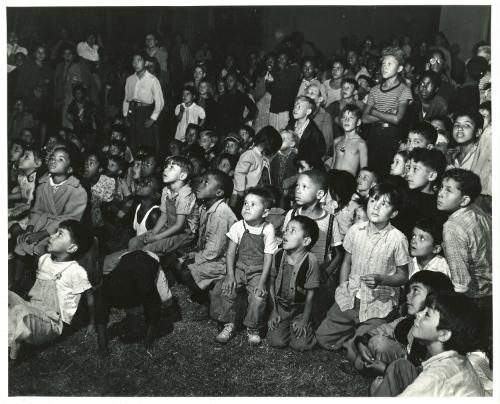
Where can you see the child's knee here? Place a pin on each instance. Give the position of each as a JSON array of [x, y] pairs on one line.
[[135, 243], [304, 343], [277, 338]]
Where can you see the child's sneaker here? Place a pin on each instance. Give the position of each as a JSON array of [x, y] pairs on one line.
[[254, 337], [226, 334]]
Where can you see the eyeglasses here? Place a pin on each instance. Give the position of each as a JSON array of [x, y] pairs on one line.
[[433, 61]]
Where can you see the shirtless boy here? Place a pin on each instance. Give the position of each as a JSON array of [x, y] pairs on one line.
[[351, 152]]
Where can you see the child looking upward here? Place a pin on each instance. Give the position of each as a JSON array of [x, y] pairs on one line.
[[294, 280], [383, 263], [249, 256], [60, 283], [58, 197]]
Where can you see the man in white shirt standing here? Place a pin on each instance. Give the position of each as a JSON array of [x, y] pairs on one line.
[[142, 105]]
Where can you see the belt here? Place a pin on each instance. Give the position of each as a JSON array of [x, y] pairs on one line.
[[140, 104], [384, 124]]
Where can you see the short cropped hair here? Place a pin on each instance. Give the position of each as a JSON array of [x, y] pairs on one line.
[[435, 282], [309, 227], [351, 81], [389, 190], [310, 102], [433, 76], [184, 163], [433, 159], [467, 181], [459, 315], [263, 194], [433, 227], [358, 113], [474, 115], [318, 177], [426, 130], [190, 89], [248, 129], [373, 171], [269, 139], [477, 67], [343, 184], [394, 51], [80, 235], [223, 180]]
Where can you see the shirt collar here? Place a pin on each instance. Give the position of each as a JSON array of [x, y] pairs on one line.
[[371, 229], [439, 357], [458, 213], [214, 207], [54, 185]]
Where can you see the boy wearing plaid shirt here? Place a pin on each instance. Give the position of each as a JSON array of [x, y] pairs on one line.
[[374, 266]]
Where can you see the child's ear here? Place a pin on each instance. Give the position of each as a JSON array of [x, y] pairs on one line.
[[38, 163], [444, 335], [394, 214], [183, 176], [320, 194], [73, 248], [432, 176], [437, 249], [479, 132], [465, 201], [266, 212], [400, 69], [70, 170], [306, 241], [219, 192]]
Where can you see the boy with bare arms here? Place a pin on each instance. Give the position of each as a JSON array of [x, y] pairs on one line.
[[350, 150]]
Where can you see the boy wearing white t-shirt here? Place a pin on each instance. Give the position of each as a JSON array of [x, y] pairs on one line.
[[252, 244], [188, 112]]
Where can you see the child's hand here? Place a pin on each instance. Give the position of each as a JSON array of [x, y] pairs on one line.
[[34, 237], [377, 365], [365, 353], [228, 285], [148, 236], [90, 330], [260, 291], [274, 320], [300, 328], [371, 280], [384, 293], [149, 123], [384, 329]]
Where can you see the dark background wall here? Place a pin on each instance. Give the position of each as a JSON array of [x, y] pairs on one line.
[[239, 29]]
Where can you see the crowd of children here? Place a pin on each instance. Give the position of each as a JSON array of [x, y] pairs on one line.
[[349, 200]]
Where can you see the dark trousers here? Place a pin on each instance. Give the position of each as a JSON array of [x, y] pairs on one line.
[[139, 135]]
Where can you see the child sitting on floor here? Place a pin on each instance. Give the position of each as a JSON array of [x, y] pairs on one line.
[[384, 263], [58, 197], [54, 298], [294, 280], [378, 347], [177, 225], [449, 328], [206, 265], [22, 196]]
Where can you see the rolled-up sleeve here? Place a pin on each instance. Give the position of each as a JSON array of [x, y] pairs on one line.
[[158, 99]]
